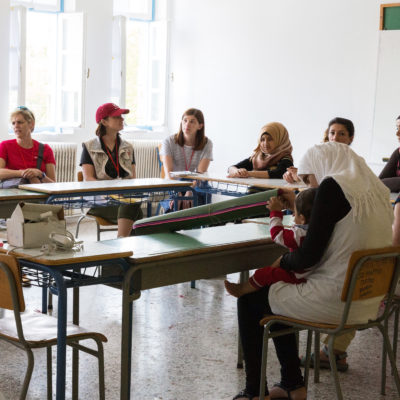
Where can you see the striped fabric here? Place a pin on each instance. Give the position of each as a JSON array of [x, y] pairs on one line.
[[250, 206]]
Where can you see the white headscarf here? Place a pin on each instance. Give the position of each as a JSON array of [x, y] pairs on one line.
[[361, 187]]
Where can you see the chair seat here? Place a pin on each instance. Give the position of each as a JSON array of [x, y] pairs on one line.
[[40, 329], [125, 200], [319, 325], [103, 222]]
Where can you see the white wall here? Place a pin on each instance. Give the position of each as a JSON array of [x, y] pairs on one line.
[[245, 63], [301, 63]]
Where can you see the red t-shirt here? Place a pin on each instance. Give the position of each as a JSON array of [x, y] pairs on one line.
[[16, 157]]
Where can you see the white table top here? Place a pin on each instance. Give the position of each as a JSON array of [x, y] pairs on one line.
[[194, 241], [287, 220], [256, 182], [92, 251], [19, 194], [92, 186]]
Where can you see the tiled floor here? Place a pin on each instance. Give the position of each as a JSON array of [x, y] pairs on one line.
[[184, 346]]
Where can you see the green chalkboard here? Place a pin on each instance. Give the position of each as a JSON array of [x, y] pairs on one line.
[[391, 18]]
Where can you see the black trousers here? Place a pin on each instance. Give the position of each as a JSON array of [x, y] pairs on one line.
[[251, 309]]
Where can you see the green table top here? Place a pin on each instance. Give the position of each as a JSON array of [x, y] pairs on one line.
[[181, 243]]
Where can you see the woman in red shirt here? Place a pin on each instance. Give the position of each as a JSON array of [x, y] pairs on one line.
[[19, 157]]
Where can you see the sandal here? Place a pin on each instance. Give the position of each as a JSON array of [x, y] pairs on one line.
[[244, 394], [26, 282], [288, 390], [325, 364]]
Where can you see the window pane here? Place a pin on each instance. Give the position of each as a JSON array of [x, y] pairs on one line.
[[41, 66], [155, 107], [155, 74], [15, 69], [136, 72], [71, 69]]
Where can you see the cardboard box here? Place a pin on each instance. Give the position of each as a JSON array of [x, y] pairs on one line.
[[30, 224]]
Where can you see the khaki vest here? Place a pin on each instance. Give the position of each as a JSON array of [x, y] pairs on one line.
[[100, 158]]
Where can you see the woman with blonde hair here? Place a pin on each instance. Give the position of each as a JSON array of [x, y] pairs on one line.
[[270, 159], [24, 159]]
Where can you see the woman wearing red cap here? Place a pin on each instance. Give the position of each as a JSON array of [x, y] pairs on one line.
[[107, 156]]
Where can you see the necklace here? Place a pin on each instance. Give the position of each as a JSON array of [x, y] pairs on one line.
[[184, 157], [115, 163]]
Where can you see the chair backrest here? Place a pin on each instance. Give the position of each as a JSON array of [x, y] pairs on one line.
[[371, 273], [162, 172], [80, 176], [11, 294]]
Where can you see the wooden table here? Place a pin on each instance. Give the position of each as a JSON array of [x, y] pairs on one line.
[[158, 260]]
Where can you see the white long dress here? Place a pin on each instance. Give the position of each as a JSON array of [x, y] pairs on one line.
[[318, 299]]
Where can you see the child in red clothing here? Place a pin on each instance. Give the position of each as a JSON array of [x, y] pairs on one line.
[[291, 238]]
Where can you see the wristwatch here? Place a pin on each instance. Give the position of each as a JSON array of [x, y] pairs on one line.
[[43, 175]]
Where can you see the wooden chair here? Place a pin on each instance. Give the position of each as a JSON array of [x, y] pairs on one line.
[[100, 222], [160, 163], [381, 267], [394, 309], [32, 330]]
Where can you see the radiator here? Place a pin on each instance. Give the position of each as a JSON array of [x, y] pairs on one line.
[[65, 155], [146, 158]]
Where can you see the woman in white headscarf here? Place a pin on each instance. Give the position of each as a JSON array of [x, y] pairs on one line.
[[351, 212]]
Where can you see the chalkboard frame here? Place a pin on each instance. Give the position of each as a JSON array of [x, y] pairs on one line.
[[384, 10]]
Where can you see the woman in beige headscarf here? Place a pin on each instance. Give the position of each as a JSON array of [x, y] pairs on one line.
[[271, 157]]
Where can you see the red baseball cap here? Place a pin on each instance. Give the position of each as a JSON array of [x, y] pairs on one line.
[[109, 110]]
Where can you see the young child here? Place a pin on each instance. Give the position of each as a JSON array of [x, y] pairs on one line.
[[291, 238]]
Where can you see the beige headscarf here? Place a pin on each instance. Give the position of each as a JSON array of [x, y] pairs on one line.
[[283, 147], [361, 187]]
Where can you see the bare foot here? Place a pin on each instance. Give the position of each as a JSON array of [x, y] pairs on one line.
[[238, 289]]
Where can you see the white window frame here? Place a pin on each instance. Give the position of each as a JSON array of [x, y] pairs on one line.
[[57, 6], [126, 8]]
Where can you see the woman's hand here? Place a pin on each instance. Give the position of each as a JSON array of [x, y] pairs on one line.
[[274, 204], [288, 197], [234, 172], [290, 175], [31, 173]]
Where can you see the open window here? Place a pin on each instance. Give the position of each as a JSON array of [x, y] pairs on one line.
[[46, 63]]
